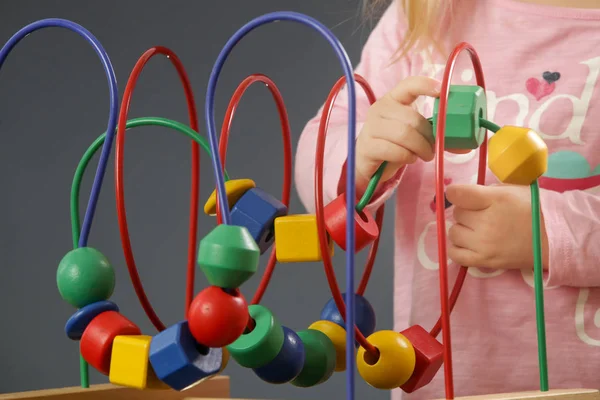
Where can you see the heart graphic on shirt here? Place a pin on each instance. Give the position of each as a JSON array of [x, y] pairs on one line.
[[539, 89], [551, 77]]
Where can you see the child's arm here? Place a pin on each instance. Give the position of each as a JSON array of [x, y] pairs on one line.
[[377, 66], [572, 221]]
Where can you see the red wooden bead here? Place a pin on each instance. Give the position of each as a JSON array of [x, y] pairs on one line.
[[335, 221], [218, 317], [97, 339], [429, 353]]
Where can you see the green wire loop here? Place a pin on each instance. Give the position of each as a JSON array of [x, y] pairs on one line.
[[97, 144], [80, 171]]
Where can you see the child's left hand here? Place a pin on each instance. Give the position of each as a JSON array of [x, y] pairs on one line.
[[492, 227]]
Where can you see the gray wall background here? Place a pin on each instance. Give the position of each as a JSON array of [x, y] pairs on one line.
[[54, 102]]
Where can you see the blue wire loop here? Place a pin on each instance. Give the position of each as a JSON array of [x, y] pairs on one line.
[[114, 104], [350, 184]]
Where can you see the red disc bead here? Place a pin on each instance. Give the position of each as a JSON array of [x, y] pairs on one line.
[[335, 221], [217, 317], [97, 339]]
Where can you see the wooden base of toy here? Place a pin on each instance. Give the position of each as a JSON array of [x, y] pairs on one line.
[[215, 388], [558, 394]]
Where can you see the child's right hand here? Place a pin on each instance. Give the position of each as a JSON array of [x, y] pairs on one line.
[[394, 132]]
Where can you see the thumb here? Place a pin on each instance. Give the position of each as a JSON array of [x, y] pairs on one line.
[[469, 197], [409, 89]]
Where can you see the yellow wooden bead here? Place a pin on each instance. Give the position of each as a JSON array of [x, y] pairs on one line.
[[296, 239], [337, 335], [129, 364], [517, 155], [234, 188], [395, 364], [224, 359]]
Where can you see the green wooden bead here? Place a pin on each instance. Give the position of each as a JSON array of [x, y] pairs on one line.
[[466, 105], [319, 361], [260, 346], [228, 256], [85, 276]]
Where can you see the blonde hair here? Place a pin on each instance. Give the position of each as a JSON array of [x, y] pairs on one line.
[[424, 20]]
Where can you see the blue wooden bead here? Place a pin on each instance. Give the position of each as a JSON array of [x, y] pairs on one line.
[[179, 361], [287, 365], [81, 319], [364, 314], [256, 210]]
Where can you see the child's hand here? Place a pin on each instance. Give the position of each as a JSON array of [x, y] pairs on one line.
[[493, 227], [395, 132]]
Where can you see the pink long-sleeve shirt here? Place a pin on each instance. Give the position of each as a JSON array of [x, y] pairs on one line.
[[542, 67]]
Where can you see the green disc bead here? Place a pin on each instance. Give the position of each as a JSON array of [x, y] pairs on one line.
[[466, 105], [228, 256], [85, 276], [261, 346], [319, 361]]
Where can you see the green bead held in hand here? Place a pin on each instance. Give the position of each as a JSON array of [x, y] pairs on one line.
[[85, 276]]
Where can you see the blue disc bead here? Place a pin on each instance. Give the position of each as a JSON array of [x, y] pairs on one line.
[[364, 314], [257, 210], [81, 319], [287, 365]]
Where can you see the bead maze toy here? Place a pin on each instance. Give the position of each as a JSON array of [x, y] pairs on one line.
[[219, 324]]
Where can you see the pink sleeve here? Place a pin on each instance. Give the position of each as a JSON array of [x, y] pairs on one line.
[[572, 221], [379, 69]]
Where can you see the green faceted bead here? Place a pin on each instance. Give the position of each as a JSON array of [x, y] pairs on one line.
[[260, 346], [228, 256], [84, 277], [319, 361], [466, 105]]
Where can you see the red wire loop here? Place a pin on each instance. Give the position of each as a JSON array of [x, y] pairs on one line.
[[119, 181], [287, 158], [319, 206], [440, 206]]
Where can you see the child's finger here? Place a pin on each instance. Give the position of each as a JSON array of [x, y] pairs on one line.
[[406, 136], [470, 197], [409, 89], [463, 256], [461, 236]]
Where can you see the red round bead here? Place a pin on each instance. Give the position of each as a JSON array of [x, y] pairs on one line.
[[335, 221], [218, 317], [97, 339]]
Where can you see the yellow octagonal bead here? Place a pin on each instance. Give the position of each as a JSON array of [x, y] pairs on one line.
[[234, 188], [129, 364], [337, 335], [517, 155], [395, 364], [297, 240]]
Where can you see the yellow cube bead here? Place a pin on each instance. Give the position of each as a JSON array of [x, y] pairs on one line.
[[337, 335], [517, 155], [296, 239], [234, 188], [129, 364]]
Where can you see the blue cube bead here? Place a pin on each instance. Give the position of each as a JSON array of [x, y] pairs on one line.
[[256, 210]]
